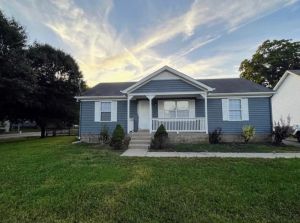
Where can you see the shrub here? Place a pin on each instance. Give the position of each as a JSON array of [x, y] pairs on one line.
[[281, 131], [117, 137], [104, 137], [126, 142], [215, 136], [248, 133], [160, 140]]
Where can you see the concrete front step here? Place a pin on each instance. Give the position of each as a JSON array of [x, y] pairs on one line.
[[140, 140], [139, 146], [136, 141]]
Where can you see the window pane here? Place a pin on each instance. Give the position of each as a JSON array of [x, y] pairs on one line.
[[169, 105], [105, 106], [235, 115], [182, 105], [234, 104], [105, 116], [183, 113], [170, 114]]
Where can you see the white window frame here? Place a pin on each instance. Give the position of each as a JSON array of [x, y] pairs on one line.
[[110, 111], [176, 109], [240, 110]]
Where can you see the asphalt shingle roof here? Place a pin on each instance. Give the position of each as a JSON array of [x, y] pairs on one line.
[[225, 85], [295, 71]]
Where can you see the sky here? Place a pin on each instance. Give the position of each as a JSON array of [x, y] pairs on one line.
[[125, 40]]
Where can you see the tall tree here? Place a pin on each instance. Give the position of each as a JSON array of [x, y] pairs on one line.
[[58, 81], [15, 73], [270, 61]]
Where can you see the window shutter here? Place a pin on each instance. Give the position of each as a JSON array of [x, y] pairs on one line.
[[245, 110], [160, 109], [192, 109], [97, 114], [225, 109], [114, 111]]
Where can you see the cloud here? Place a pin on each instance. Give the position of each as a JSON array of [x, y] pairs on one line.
[[104, 54]]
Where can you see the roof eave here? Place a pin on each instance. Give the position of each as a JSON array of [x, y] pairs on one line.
[[242, 94]]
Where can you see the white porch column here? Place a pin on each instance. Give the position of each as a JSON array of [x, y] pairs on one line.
[[206, 119], [128, 112], [150, 97]]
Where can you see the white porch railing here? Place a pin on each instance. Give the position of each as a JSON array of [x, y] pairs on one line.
[[180, 124]]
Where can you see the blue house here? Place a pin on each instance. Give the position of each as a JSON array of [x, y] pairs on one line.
[[188, 108]]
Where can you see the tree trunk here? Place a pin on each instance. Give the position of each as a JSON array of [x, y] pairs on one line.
[[43, 131], [54, 132]]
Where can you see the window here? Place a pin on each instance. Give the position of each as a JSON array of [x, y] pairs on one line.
[[176, 109], [183, 109], [170, 109], [235, 110], [105, 111]]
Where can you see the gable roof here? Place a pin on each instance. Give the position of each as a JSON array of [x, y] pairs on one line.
[[284, 76], [171, 70], [225, 85]]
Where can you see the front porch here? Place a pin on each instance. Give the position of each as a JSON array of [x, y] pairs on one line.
[[169, 110]]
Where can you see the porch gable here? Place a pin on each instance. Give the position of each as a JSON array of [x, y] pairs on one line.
[[166, 79]]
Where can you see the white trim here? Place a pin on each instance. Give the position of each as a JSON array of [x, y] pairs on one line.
[[281, 80], [150, 97], [168, 93], [241, 94], [90, 98], [206, 114], [173, 71], [128, 113]]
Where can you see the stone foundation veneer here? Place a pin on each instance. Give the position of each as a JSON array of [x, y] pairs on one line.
[[190, 137], [89, 138], [196, 137]]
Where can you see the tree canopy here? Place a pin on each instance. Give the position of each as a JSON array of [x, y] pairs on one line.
[[15, 73], [58, 80], [270, 61], [37, 82]]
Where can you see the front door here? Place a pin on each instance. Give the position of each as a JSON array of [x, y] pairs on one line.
[[143, 113]]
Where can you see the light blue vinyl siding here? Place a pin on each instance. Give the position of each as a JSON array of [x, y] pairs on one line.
[[88, 124], [166, 86], [259, 117], [200, 107]]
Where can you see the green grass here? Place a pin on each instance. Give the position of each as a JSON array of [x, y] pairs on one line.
[[51, 180], [232, 147]]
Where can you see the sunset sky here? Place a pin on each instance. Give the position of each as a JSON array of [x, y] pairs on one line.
[[127, 39]]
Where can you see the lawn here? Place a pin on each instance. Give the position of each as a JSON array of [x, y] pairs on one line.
[[51, 180], [233, 147]]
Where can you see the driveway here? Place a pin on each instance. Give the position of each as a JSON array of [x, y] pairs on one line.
[[19, 135]]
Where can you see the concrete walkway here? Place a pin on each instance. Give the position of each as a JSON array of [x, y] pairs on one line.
[[145, 153], [19, 135], [291, 142]]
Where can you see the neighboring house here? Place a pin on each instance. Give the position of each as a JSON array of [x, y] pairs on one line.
[[188, 108], [286, 100]]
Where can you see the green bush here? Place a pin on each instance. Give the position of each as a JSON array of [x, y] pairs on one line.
[[117, 137], [126, 142], [248, 133], [160, 140], [215, 136], [104, 137], [281, 131]]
